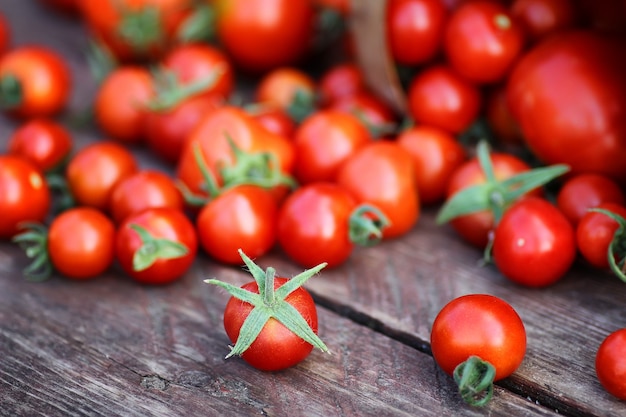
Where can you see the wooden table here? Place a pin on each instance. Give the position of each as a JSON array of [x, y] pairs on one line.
[[110, 347]]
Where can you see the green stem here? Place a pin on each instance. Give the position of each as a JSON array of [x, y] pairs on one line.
[[617, 247], [474, 377], [153, 249], [366, 224], [11, 94]]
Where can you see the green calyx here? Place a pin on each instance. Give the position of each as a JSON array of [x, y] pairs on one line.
[[366, 225], [199, 26], [474, 377], [270, 303], [495, 195], [141, 29], [34, 242], [616, 253], [11, 94], [153, 249], [302, 105]]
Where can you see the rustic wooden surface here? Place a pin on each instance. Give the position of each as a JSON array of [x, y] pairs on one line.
[[109, 347]]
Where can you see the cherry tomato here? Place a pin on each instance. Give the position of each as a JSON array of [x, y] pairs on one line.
[[94, 171], [34, 82], [534, 244], [415, 30], [340, 80], [142, 190], [541, 18], [568, 95], [324, 141], [157, 245], [25, 196], [382, 174], [44, 142], [594, 234], [439, 97], [273, 118], [475, 228], [281, 86], [610, 363], [375, 113], [81, 243], [243, 217], [478, 325], [436, 155], [121, 100], [261, 35], [581, 192]]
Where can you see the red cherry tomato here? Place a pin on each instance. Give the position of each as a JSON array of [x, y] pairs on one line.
[[375, 113], [581, 192], [94, 171], [163, 248], [25, 196], [415, 30], [274, 119], [439, 97], [279, 87], [34, 82], [610, 363], [44, 142], [534, 244], [594, 234], [541, 18], [482, 41], [340, 80]]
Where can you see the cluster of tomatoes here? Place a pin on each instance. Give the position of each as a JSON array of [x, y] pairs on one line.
[[318, 164]]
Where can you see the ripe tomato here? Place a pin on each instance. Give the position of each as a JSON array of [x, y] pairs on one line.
[[81, 243], [534, 244], [581, 192], [243, 217], [375, 113], [121, 100], [338, 81], [482, 41], [436, 155], [157, 245], [283, 86], [382, 174], [475, 228], [94, 170], [560, 91], [44, 142], [439, 97], [415, 30], [34, 82], [541, 18], [261, 35], [324, 141], [25, 196], [479, 325], [595, 232], [142, 190], [611, 363]]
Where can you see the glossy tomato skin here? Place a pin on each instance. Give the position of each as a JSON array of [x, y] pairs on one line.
[[25, 196], [594, 234], [610, 363], [382, 174], [313, 224], [541, 18], [42, 141], [324, 141], [243, 217], [260, 35], [274, 119], [44, 80], [276, 347], [142, 190], [162, 223], [482, 41], [440, 97], [475, 228], [279, 86], [436, 155], [81, 243], [94, 170], [581, 192], [341, 80], [534, 244], [481, 325], [415, 30], [120, 103], [560, 91]]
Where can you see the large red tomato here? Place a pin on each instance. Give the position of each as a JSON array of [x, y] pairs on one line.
[[569, 97]]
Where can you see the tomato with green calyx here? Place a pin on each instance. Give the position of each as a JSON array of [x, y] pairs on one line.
[[601, 237], [377, 115], [78, 244], [288, 88], [272, 320], [610, 363], [322, 222], [479, 339], [156, 246]]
